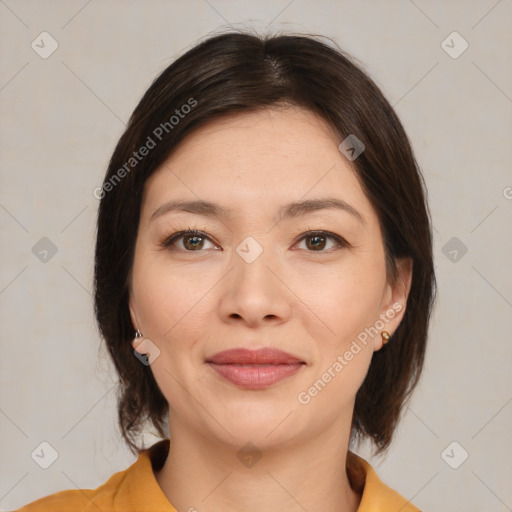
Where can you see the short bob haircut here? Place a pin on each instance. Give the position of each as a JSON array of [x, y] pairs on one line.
[[237, 72]]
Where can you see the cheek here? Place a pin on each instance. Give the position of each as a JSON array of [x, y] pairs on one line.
[[347, 298], [335, 387], [348, 305], [173, 304], [162, 297]]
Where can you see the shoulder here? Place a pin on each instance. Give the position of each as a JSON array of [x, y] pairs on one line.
[[134, 489], [105, 497], [376, 496], [64, 501]]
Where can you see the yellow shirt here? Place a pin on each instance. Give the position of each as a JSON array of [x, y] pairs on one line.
[[136, 490]]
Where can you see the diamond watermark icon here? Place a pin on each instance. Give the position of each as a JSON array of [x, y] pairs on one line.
[[249, 455], [249, 249], [146, 351], [44, 455], [454, 249], [454, 45], [351, 147], [454, 455], [44, 45], [44, 250]]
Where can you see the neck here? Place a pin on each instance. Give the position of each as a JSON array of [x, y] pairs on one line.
[[202, 474]]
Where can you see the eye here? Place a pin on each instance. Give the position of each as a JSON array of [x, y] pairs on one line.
[[316, 241], [193, 240]]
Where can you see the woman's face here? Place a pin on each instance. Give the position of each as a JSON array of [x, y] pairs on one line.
[[310, 281]]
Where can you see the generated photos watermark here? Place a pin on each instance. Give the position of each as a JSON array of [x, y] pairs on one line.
[[304, 397], [151, 141]]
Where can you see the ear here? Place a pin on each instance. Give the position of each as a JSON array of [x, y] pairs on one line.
[[394, 301], [133, 314]]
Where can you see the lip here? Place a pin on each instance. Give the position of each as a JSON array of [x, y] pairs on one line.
[[243, 356], [255, 377], [255, 369]]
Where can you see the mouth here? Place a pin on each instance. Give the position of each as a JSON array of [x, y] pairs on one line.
[[255, 369], [254, 376], [262, 356]]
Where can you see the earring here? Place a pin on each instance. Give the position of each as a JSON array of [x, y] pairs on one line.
[[385, 337], [138, 335]]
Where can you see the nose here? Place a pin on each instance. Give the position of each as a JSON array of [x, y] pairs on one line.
[[255, 291]]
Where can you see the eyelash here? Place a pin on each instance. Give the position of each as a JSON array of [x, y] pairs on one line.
[[170, 240]]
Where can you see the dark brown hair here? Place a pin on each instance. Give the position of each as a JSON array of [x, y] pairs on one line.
[[239, 72]]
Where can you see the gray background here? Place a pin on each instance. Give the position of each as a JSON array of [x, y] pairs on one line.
[[60, 119]]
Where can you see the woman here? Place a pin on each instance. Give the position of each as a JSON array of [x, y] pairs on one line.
[[263, 281]]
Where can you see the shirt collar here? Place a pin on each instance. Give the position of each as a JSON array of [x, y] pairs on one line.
[[147, 496]]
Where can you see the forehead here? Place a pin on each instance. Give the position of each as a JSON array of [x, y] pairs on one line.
[[275, 135], [257, 159]]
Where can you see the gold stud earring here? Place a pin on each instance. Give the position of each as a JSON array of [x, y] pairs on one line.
[[385, 337]]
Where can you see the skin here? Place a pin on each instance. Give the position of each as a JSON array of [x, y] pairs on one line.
[[199, 297]]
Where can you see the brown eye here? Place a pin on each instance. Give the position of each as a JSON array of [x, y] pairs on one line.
[[192, 241], [316, 241]]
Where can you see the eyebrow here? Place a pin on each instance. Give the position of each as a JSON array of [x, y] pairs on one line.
[[289, 210]]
